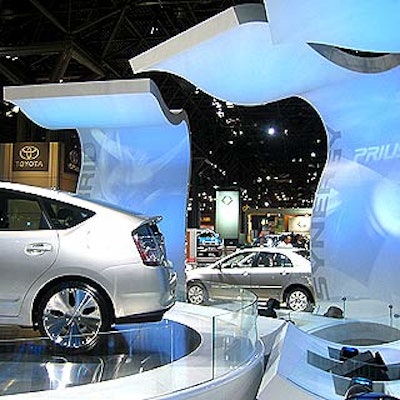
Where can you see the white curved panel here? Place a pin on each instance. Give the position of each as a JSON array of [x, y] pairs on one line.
[[240, 63], [356, 219], [357, 24], [88, 104], [136, 153], [251, 61]]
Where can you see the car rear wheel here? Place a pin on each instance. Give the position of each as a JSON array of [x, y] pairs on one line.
[[298, 299], [72, 315], [196, 293]]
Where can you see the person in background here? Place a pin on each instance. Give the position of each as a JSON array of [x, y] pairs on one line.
[[298, 241], [285, 241]]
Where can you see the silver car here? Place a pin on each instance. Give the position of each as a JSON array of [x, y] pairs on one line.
[[267, 271], [72, 268]]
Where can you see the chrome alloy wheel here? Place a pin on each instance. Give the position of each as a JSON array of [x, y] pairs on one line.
[[72, 318], [297, 300]]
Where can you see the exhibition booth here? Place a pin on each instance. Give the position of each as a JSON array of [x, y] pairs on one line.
[[136, 155]]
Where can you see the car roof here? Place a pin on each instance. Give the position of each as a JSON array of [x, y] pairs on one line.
[[291, 252], [70, 198], [36, 190], [282, 250]]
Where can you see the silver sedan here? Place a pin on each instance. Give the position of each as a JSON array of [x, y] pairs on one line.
[[72, 268], [269, 272]]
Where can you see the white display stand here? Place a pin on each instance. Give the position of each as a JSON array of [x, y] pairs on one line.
[[224, 365]]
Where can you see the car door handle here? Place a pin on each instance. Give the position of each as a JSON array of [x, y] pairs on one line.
[[245, 273], [37, 249], [285, 273]]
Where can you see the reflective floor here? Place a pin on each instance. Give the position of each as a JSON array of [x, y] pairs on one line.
[[32, 364]]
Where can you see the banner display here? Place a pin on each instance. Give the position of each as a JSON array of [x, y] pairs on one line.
[[227, 213], [355, 224], [72, 160], [300, 224]]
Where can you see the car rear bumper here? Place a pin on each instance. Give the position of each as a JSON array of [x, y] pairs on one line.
[[154, 316], [151, 296]]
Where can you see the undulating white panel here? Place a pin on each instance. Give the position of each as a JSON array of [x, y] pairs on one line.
[[360, 25], [136, 153], [293, 52], [239, 63]]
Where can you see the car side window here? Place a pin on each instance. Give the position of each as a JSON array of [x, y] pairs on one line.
[[21, 213], [280, 260], [241, 260], [266, 259]]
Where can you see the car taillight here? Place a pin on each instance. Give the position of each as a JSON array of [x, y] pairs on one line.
[[150, 244]]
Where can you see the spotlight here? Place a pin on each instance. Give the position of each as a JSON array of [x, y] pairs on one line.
[[347, 352], [272, 304], [360, 388], [334, 312]]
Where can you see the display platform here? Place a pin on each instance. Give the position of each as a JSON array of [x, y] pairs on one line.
[[193, 353], [224, 351], [33, 364]]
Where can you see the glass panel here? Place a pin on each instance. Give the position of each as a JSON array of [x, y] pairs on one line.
[[240, 260], [234, 339]]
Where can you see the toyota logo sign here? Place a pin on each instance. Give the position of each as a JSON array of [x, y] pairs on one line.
[[29, 153], [31, 156]]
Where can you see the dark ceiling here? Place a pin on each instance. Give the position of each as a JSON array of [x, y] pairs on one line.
[[45, 41]]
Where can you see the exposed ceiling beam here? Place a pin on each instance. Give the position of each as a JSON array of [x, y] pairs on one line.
[[115, 31], [87, 60], [34, 49], [11, 75], [96, 22], [48, 15], [68, 48], [62, 64]]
